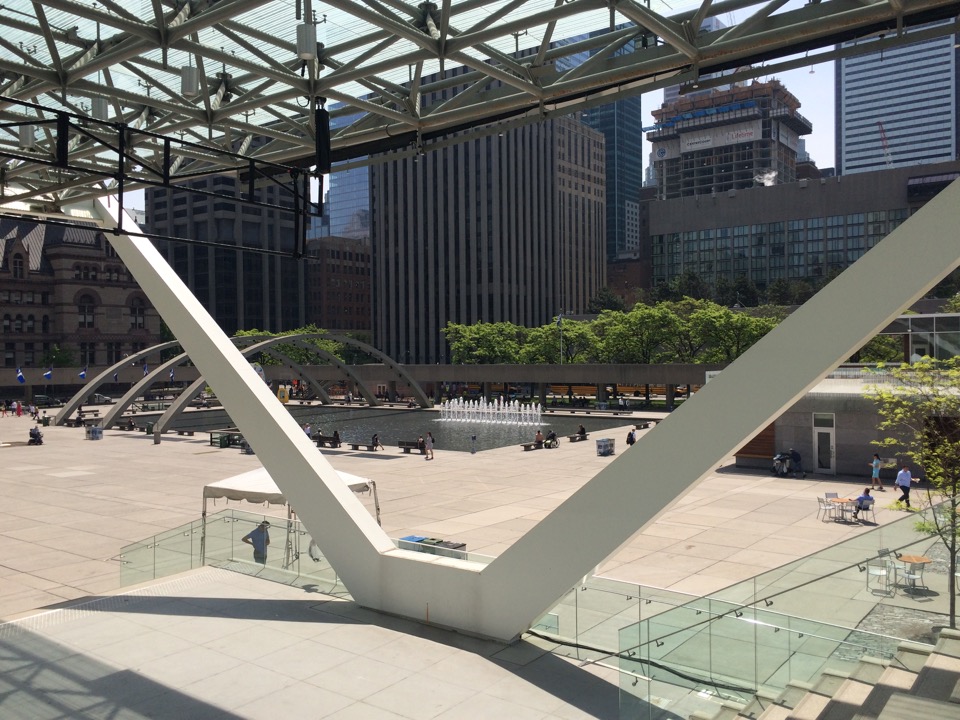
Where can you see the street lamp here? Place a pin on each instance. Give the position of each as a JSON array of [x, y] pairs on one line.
[[560, 327]]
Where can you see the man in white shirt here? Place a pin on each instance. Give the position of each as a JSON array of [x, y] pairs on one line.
[[904, 480]]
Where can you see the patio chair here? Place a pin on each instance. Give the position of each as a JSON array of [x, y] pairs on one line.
[[866, 506], [881, 577], [829, 496], [828, 509], [913, 575]]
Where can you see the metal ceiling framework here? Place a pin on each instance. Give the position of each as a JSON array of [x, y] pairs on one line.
[[104, 96]]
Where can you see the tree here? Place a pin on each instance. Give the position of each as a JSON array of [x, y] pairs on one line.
[[58, 357], [728, 334], [485, 343], [952, 305], [604, 300], [920, 410], [639, 336]]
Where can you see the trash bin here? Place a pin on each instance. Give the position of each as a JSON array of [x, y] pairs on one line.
[[605, 447], [411, 542], [148, 428], [88, 432], [45, 421], [224, 441], [450, 548], [96, 432]]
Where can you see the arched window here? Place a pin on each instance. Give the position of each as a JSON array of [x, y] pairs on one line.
[[30, 324], [85, 311], [17, 266], [6, 324], [138, 314], [93, 272], [18, 324], [77, 272]]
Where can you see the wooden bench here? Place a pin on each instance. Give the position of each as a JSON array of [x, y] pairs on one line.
[[188, 433], [531, 446], [327, 441], [91, 413], [641, 426], [357, 446], [408, 445], [578, 437]]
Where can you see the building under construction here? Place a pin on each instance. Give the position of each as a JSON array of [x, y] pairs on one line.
[[727, 140]]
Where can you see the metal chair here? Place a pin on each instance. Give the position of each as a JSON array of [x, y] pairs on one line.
[[828, 509], [866, 506], [913, 575], [883, 573], [830, 496]]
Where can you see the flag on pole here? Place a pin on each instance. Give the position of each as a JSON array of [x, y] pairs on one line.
[[559, 319], [48, 374], [171, 374], [115, 377], [20, 378], [83, 373], [145, 369]]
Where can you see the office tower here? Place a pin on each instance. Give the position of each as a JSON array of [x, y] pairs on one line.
[[804, 230], [898, 107], [499, 228], [621, 124], [727, 140], [242, 287]]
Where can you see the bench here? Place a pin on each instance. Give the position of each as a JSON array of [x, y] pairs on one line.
[[531, 446], [641, 426], [408, 445], [91, 413], [327, 441], [578, 437], [357, 446], [188, 433]]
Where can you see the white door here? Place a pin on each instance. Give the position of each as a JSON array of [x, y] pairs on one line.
[[824, 446]]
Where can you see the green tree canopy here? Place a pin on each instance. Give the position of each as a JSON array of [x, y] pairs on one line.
[[485, 343]]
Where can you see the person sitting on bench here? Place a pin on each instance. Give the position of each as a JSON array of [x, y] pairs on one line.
[[582, 431], [538, 438]]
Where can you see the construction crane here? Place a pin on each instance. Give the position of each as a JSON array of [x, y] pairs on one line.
[[887, 157]]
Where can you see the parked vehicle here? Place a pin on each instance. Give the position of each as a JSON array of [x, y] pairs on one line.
[[45, 401], [98, 399]]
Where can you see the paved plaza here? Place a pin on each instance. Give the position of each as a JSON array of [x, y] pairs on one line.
[[212, 643]]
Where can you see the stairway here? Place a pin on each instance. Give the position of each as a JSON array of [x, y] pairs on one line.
[[920, 683]]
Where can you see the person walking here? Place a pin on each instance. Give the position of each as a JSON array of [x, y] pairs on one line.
[[875, 473], [904, 481], [428, 443]]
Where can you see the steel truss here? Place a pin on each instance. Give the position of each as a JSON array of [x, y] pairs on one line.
[[395, 76]]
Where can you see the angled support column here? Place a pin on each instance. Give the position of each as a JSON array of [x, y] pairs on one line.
[[502, 599]]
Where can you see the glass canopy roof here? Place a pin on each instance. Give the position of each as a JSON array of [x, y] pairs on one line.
[[222, 81]]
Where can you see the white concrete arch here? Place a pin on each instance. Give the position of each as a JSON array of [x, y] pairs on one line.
[[96, 382]]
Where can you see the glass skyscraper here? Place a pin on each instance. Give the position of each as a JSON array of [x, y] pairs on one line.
[[897, 107]]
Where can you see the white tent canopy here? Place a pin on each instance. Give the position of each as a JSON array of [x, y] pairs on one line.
[[257, 486]]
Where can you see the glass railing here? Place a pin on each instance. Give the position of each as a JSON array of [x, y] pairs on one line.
[[217, 541], [824, 610]]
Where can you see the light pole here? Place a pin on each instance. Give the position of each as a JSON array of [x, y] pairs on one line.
[[560, 327]]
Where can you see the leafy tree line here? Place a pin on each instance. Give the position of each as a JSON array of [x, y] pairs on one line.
[[682, 331]]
